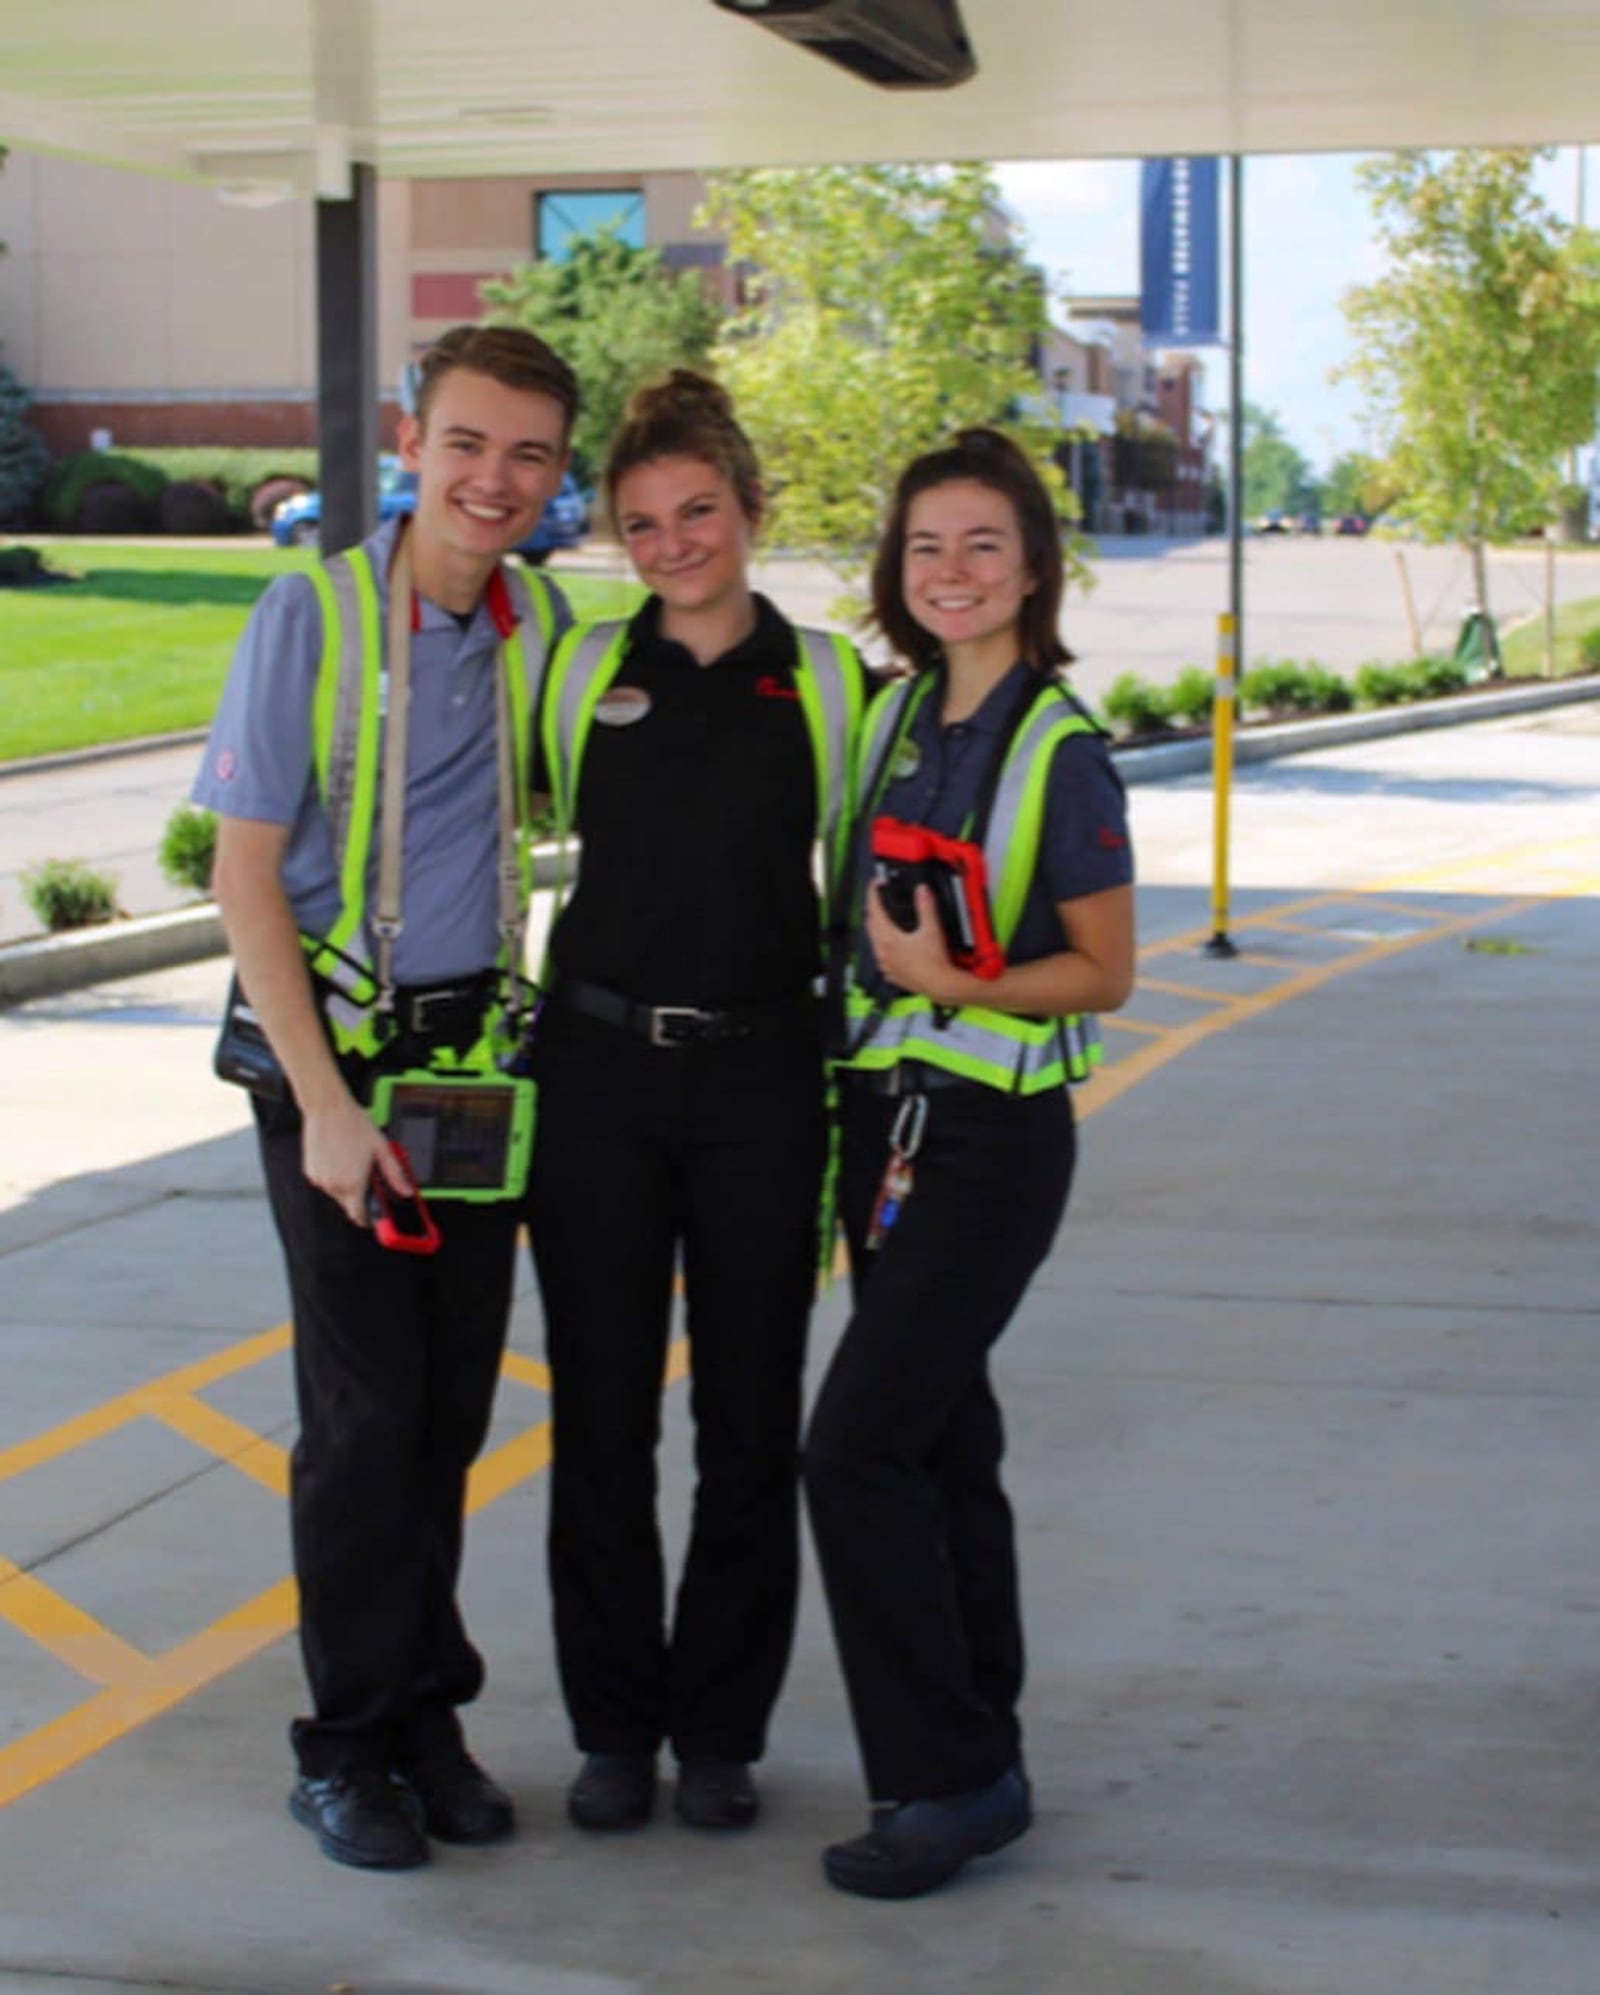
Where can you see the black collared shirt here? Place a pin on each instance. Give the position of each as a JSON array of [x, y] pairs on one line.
[[697, 820]]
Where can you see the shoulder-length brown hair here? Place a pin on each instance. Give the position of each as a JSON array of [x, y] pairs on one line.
[[984, 457]]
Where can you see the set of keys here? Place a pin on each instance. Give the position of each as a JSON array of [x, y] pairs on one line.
[[899, 1174]]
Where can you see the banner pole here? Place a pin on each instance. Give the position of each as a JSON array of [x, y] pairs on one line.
[[1230, 628]]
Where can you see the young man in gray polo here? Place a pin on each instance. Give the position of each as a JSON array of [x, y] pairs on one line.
[[396, 1355]]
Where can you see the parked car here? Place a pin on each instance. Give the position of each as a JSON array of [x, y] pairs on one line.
[[298, 521], [1351, 523], [1274, 523]]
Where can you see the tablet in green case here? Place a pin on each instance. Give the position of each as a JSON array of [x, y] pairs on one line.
[[467, 1138]]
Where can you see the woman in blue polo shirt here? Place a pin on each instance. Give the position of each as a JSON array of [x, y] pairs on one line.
[[958, 1149]]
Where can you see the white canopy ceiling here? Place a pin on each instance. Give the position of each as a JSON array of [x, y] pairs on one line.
[[289, 91]]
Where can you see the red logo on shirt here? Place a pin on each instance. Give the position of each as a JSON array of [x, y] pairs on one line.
[[771, 688], [1113, 841]]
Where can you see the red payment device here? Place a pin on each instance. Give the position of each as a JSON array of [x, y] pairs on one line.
[[907, 856], [400, 1221]]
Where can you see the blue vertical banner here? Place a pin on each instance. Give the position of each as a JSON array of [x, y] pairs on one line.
[[1180, 252]]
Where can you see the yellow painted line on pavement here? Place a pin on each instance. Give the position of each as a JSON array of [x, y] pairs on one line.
[[1170, 988], [70, 1635], [241, 1447]]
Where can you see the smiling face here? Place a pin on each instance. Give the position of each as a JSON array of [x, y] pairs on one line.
[[686, 533], [487, 461], [964, 574]]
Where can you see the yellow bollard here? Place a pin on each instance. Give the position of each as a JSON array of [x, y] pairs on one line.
[[1222, 784]]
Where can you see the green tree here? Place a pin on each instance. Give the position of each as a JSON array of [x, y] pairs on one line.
[[1356, 483], [1277, 477], [23, 456], [889, 306], [1477, 350], [617, 315]]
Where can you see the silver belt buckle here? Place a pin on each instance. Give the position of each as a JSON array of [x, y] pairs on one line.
[[661, 1013]]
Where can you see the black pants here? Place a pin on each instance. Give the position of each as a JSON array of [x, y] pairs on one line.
[[902, 1459], [643, 1152], [395, 1363]]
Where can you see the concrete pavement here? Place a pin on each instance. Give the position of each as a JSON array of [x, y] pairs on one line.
[[1302, 1417]]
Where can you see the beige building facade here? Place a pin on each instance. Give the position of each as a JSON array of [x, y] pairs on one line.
[[149, 311]]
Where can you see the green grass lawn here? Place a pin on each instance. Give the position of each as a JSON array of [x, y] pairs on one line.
[[140, 643], [1523, 651]]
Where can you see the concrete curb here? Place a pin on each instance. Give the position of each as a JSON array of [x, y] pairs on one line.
[[119, 949], [1162, 760], [59, 963]]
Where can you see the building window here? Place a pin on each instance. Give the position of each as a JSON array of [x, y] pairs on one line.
[[561, 216]]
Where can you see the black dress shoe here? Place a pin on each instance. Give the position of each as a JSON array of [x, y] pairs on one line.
[[920, 1845], [361, 1816], [716, 1794], [613, 1791], [460, 1803]]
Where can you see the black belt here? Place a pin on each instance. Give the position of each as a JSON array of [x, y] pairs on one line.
[[680, 1024], [906, 1077], [446, 1013]]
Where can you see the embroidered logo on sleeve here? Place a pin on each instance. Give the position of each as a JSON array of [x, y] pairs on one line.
[[1111, 839], [227, 765]]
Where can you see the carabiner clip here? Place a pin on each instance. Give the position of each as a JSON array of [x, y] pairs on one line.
[[910, 1120]]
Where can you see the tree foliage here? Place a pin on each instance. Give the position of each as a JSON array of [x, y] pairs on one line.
[[887, 307], [1356, 483], [617, 315], [1276, 476], [1477, 350], [24, 460]]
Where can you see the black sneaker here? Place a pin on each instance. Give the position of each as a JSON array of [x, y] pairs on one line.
[[361, 1816], [613, 1791], [920, 1845], [716, 1794], [460, 1803]]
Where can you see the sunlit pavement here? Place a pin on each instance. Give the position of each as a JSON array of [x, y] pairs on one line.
[[1302, 1446]]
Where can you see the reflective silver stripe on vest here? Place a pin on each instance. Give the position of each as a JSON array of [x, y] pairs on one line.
[[578, 669], [342, 580], [838, 711]]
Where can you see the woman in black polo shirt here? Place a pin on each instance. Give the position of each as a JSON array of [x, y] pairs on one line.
[[681, 1116], [958, 1146]]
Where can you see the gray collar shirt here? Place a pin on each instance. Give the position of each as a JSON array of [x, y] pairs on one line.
[[258, 765]]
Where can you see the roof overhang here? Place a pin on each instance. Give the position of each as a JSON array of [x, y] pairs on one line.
[[290, 93]]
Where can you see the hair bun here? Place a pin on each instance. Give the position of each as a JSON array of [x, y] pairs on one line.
[[683, 393]]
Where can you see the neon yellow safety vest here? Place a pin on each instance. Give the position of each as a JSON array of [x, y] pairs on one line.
[[1017, 1055], [829, 683], [346, 741]]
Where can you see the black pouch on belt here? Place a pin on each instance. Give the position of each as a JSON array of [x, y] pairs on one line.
[[244, 1054]]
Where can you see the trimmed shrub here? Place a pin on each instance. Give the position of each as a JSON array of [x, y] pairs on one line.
[[1135, 706], [65, 893], [270, 494], [92, 474], [1193, 694], [1282, 688], [1432, 678], [1379, 685], [25, 568], [1589, 649], [193, 506], [188, 848]]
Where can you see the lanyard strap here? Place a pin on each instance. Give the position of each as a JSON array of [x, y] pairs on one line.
[[387, 917]]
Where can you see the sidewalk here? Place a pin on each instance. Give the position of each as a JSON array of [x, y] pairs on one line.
[[1302, 1445]]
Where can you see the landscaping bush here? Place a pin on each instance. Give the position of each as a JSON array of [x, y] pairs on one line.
[[1135, 706], [196, 506], [1281, 688], [1193, 694], [82, 487], [65, 893], [270, 494], [26, 568], [1432, 678], [252, 479], [1589, 649], [189, 848], [1379, 685]]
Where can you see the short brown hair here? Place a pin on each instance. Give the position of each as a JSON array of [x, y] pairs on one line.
[[507, 354], [984, 457], [686, 415]]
